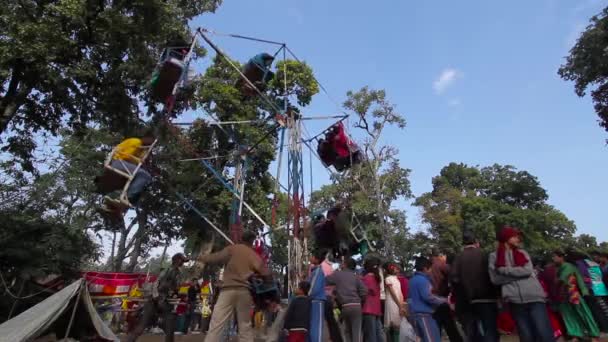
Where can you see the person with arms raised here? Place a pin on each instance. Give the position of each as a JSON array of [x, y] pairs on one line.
[[241, 262]]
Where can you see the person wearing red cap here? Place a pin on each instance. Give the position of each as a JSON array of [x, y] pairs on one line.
[[511, 268], [165, 287]]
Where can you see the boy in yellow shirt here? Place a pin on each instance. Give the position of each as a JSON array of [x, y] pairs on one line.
[[127, 156]]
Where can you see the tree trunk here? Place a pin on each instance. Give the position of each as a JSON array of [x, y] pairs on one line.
[[138, 239], [13, 98], [164, 255], [111, 261], [204, 249], [136, 251], [123, 247], [121, 251]]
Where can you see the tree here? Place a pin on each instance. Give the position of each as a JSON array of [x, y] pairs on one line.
[[33, 246], [586, 243], [586, 65], [483, 200], [67, 191], [81, 62], [370, 189], [221, 100], [409, 246]]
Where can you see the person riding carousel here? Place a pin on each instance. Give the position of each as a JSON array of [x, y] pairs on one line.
[[257, 71], [338, 150], [332, 233], [126, 161], [170, 69]]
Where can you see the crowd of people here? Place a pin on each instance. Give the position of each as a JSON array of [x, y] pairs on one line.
[[473, 296], [477, 296]]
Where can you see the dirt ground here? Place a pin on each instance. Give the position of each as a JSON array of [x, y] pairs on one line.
[[178, 338], [200, 338]]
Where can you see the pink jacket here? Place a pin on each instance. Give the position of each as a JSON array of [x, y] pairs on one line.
[[372, 301]]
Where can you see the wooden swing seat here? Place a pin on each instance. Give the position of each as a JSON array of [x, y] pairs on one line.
[[169, 74]]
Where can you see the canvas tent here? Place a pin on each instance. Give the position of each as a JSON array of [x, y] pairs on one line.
[[67, 311]]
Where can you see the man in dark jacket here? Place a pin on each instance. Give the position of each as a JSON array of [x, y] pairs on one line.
[[443, 315], [350, 294], [476, 295], [165, 287]]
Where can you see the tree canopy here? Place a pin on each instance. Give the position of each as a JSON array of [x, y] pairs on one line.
[[483, 200], [370, 189], [71, 63], [586, 65]]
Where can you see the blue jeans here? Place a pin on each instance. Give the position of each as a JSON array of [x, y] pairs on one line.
[[140, 181], [532, 322], [372, 328], [317, 318]]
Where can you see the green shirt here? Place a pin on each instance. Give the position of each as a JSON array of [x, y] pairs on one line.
[[167, 283]]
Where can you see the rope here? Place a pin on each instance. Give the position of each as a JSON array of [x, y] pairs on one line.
[[220, 123], [225, 56], [314, 152], [76, 305], [8, 291], [344, 117], [205, 158], [319, 83], [216, 33]]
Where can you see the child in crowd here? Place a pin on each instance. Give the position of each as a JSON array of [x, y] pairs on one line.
[[297, 319]]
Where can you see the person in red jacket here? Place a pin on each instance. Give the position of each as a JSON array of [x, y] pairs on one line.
[[372, 309], [405, 284]]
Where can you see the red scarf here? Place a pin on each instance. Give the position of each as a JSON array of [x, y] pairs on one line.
[[519, 258]]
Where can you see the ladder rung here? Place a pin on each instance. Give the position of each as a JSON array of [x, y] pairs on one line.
[[120, 172]]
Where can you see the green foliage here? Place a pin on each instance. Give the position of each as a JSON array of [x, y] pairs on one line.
[[81, 62], [300, 81], [586, 65], [408, 247], [586, 243], [370, 189], [32, 246], [484, 200], [218, 97]]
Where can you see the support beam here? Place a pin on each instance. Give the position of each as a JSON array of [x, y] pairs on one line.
[[233, 191], [189, 205]]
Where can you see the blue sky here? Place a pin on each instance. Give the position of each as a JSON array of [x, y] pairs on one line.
[[476, 80]]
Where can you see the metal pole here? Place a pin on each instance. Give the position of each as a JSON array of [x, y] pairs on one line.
[[242, 37], [234, 192], [344, 116], [199, 213]]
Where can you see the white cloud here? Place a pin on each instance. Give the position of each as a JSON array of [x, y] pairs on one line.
[[455, 102], [446, 79]]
